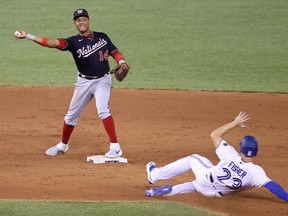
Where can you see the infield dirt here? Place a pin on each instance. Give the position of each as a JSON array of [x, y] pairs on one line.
[[158, 125]]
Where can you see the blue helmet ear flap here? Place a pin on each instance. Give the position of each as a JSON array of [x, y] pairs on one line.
[[249, 146]]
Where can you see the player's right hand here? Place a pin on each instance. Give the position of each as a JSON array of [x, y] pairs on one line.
[[20, 34]]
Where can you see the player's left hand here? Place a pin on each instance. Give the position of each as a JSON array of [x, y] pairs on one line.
[[120, 71], [241, 118]]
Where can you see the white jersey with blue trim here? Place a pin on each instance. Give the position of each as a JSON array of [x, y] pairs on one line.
[[232, 175]]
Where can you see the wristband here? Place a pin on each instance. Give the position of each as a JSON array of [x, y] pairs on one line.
[[30, 36], [121, 61], [44, 41], [119, 57]]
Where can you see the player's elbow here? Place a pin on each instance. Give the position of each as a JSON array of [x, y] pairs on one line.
[[213, 135], [216, 138]]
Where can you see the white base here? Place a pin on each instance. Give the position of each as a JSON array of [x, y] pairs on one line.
[[99, 159]]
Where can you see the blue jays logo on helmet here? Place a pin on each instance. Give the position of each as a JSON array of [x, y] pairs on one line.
[[249, 146]]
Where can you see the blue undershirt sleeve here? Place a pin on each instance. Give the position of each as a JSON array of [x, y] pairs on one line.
[[277, 190]]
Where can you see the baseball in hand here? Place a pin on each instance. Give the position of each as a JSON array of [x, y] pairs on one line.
[[17, 33]]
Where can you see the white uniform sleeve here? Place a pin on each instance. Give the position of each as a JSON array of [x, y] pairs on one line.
[[259, 177], [225, 151]]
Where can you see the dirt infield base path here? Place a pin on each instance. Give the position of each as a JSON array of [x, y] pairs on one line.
[[152, 125]]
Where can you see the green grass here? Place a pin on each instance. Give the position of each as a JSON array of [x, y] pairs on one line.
[[45, 208], [185, 44]]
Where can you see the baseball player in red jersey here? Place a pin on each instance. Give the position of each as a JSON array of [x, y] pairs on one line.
[[90, 51], [234, 173]]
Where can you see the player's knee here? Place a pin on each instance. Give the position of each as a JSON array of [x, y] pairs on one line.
[[69, 120]]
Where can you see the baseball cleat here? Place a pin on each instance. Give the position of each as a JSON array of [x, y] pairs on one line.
[[115, 151], [149, 167], [59, 148], [160, 191]]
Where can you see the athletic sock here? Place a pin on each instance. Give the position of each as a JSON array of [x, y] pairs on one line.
[[66, 132], [110, 129]]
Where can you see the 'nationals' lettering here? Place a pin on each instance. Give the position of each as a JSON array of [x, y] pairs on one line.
[[88, 50]]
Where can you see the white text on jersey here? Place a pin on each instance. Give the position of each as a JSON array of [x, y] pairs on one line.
[[85, 52]]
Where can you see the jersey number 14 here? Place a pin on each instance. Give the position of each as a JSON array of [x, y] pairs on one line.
[[104, 56]]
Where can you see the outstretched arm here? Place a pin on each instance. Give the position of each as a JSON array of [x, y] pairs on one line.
[[51, 43], [217, 134], [277, 190]]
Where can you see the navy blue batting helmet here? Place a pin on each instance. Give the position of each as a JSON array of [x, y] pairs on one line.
[[249, 146]]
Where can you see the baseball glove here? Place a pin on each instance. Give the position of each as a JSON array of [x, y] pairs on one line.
[[120, 71]]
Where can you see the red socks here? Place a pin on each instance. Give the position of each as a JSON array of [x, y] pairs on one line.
[[108, 125], [110, 128], [66, 132]]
